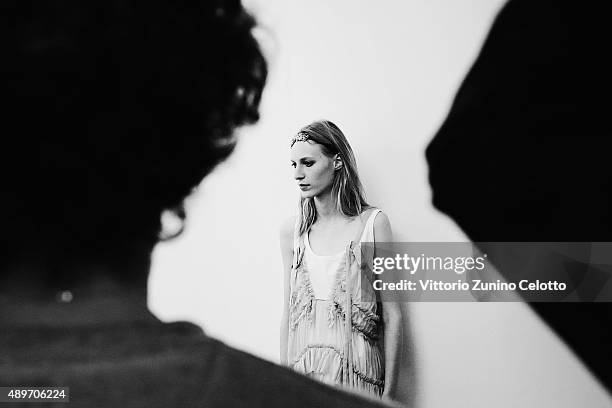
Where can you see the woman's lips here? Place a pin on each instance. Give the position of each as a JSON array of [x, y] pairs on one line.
[[304, 187]]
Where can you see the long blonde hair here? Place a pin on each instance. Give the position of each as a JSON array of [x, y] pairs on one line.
[[347, 190]]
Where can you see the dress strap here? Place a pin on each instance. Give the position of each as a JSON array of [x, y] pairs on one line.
[[296, 240], [347, 370], [368, 230]]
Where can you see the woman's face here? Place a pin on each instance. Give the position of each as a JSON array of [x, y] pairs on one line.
[[313, 170]]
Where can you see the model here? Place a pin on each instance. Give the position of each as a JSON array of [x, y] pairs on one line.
[[325, 275]]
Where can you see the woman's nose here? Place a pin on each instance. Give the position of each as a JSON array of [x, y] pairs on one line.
[[298, 174]]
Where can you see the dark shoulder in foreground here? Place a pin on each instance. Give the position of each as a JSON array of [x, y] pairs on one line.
[[245, 380]]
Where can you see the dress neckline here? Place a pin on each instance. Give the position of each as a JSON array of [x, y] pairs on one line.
[[309, 249], [360, 236]]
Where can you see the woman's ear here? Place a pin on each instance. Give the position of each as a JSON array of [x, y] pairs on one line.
[[338, 162]]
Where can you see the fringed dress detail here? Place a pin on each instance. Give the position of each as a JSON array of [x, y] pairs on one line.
[[323, 342]]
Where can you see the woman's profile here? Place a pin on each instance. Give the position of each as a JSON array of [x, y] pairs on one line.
[[323, 272]]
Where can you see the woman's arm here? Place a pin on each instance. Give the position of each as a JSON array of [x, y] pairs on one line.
[[286, 243], [393, 320]]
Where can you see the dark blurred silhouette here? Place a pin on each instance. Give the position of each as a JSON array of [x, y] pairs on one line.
[[522, 155], [113, 112]]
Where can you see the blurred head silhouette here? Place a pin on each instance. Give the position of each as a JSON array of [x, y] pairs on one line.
[[114, 112], [522, 155]]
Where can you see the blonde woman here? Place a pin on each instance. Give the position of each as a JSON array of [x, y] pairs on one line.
[[324, 275]]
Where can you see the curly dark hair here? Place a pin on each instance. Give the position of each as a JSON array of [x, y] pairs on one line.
[[114, 112]]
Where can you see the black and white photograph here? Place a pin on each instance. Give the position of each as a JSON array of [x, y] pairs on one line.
[[325, 203]]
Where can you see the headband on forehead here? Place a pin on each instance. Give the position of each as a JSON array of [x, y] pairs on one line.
[[300, 137]]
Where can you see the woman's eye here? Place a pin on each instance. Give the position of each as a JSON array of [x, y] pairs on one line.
[[293, 165], [308, 164]]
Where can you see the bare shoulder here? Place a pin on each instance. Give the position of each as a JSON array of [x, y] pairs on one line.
[[382, 228], [286, 231], [381, 220]]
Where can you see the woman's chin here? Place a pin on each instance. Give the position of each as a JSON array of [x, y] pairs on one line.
[[307, 194]]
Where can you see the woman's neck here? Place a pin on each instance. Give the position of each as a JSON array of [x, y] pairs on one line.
[[326, 207]]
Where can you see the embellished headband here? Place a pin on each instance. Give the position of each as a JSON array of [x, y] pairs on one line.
[[300, 137]]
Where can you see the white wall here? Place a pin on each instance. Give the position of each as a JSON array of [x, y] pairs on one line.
[[385, 72]]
